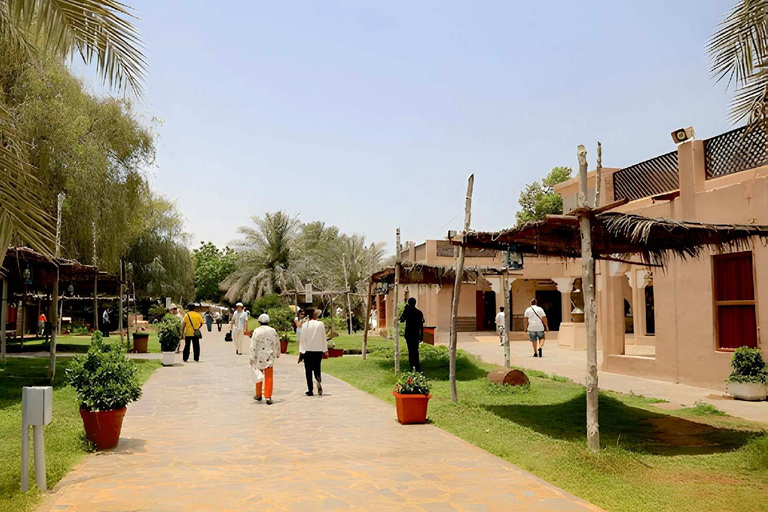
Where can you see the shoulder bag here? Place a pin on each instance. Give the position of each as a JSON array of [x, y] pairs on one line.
[[197, 333], [542, 321]]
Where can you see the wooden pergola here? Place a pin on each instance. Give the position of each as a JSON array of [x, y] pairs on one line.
[[600, 234]]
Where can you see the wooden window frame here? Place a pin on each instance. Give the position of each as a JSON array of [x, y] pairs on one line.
[[716, 304]]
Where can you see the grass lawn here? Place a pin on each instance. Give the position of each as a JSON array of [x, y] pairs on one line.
[[74, 344], [352, 344], [65, 443], [694, 459]]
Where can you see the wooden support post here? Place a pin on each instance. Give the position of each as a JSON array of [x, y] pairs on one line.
[[507, 315], [53, 313], [394, 304], [598, 174], [333, 321], [120, 306], [457, 291], [367, 318], [20, 317], [590, 309], [3, 319], [95, 281], [346, 288]]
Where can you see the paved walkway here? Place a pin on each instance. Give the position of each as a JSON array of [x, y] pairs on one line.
[[572, 364], [198, 441]]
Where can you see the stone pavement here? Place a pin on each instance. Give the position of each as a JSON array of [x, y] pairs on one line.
[[573, 363], [198, 441]]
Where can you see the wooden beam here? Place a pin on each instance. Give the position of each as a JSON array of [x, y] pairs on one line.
[[610, 206], [630, 262], [457, 290]]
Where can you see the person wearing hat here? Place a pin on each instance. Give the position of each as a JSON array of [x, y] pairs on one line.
[[175, 312], [239, 323], [190, 329], [265, 348]]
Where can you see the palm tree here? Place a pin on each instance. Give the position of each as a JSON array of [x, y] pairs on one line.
[[738, 52], [264, 258], [101, 32]]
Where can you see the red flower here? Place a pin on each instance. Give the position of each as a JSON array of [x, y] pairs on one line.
[[410, 381]]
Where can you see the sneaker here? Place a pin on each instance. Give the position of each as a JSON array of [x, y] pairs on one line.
[[540, 353], [258, 398], [309, 393], [319, 388], [535, 354], [269, 401]]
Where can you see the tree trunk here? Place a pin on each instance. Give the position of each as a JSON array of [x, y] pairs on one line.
[[395, 302], [367, 318], [507, 315], [457, 291], [3, 319], [590, 310], [598, 174]]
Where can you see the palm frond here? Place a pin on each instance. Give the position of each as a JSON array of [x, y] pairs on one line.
[[101, 31]]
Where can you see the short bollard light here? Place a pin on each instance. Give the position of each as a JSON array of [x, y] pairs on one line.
[[36, 411]]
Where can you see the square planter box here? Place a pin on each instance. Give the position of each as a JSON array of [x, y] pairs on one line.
[[411, 409], [746, 391], [335, 352]]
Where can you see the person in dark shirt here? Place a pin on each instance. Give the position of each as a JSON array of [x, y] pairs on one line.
[[414, 332]]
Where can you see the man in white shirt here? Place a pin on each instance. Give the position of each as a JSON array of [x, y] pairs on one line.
[[312, 345], [501, 325], [535, 320]]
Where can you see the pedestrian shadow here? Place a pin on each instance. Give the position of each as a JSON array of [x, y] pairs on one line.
[[632, 428]]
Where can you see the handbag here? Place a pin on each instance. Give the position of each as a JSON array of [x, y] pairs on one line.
[[197, 333], [228, 336]]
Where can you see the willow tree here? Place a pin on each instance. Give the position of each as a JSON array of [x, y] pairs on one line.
[[101, 32]]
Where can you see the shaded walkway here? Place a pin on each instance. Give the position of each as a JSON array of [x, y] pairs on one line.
[[198, 441]]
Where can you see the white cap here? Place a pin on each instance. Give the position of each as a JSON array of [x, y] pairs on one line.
[[239, 304], [264, 318]]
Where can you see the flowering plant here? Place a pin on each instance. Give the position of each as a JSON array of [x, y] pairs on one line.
[[412, 383]]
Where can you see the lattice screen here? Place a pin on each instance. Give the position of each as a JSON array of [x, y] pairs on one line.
[[735, 151], [649, 178]]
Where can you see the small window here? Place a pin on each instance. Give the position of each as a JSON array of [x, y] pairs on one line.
[[735, 305]]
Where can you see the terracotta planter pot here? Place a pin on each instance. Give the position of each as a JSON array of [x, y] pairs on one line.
[[103, 427], [411, 408], [140, 342], [335, 352], [283, 346]]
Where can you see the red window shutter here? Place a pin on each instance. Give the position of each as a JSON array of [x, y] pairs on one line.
[[736, 323]]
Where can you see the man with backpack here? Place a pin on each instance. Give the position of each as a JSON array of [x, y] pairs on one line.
[[535, 320]]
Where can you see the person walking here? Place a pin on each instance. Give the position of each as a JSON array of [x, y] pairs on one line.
[[217, 319], [175, 312], [265, 348], [41, 324], [535, 321], [105, 323], [501, 325], [208, 320], [414, 332], [299, 322], [190, 328], [312, 346], [239, 323]]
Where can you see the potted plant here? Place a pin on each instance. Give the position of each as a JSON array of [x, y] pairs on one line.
[[140, 342], [169, 333], [411, 398], [105, 382], [333, 351], [281, 319], [748, 375]]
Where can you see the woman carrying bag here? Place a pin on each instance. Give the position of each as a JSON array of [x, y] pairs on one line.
[[190, 328]]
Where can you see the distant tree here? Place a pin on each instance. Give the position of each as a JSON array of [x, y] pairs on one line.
[[540, 199], [264, 258], [212, 266]]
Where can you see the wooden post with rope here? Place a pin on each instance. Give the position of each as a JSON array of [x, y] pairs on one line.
[[347, 290], [457, 290], [507, 315], [369, 305], [394, 303]]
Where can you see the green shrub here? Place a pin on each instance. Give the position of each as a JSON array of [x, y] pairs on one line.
[[104, 379], [281, 320], [757, 452], [266, 302], [747, 366], [169, 333], [706, 409], [412, 383], [339, 323], [80, 329], [156, 313]]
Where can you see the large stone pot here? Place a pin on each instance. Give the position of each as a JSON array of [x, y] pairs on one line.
[[103, 428], [746, 391], [411, 408]]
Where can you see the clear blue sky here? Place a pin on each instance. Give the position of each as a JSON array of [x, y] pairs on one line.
[[371, 115]]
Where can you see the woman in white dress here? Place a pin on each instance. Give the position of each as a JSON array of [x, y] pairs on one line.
[[239, 323]]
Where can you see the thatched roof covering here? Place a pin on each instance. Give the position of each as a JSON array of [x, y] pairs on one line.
[[417, 273], [614, 234]]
